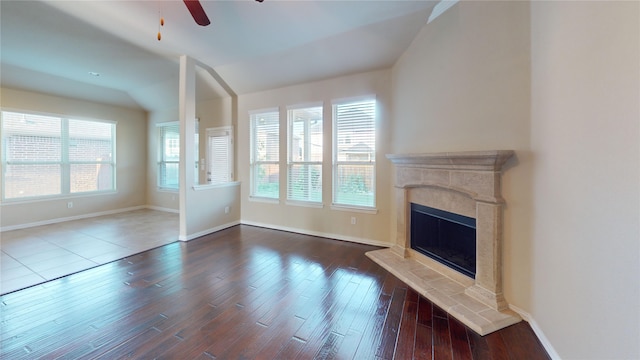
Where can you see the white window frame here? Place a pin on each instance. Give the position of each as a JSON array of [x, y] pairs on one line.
[[65, 162], [224, 133], [369, 162], [162, 161], [291, 158], [254, 163]]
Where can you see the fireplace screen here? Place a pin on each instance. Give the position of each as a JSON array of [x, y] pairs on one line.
[[445, 237]]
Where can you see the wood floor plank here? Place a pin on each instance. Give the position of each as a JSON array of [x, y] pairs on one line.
[[441, 335], [321, 332], [478, 345], [362, 295], [373, 326], [407, 332], [391, 326], [235, 327], [423, 349], [497, 347], [523, 343], [243, 293], [349, 345], [329, 348], [459, 341], [279, 340]]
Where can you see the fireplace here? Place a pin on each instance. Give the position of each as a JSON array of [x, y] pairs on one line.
[[465, 185], [445, 237]]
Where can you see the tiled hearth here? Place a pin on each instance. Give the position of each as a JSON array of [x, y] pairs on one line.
[[465, 183]]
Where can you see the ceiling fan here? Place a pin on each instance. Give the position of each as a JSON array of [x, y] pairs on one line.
[[196, 10]]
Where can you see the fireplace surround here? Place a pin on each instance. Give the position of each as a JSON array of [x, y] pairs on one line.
[[464, 183]]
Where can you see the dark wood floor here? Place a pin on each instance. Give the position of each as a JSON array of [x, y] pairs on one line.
[[243, 293]]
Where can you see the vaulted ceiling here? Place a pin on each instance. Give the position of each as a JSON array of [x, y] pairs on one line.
[[54, 46]]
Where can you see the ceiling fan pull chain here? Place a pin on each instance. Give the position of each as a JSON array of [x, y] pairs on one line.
[[161, 21]]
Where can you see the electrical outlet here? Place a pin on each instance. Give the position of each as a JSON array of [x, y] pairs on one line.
[[353, 220], [69, 204], [226, 209]]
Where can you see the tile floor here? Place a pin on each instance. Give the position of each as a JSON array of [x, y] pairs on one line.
[[35, 255]]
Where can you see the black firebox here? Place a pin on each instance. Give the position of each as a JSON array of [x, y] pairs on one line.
[[445, 237]]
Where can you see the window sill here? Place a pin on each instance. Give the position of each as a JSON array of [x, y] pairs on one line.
[[264, 200], [37, 199], [305, 204], [167, 190], [215, 186], [357, 209]]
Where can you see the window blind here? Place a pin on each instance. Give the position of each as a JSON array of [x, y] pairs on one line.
[[219, 152], [354, 153], [304, 180], [265, 154], [169, 155]]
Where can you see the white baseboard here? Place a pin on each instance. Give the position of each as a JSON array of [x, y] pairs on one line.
[[158, 208], [536, 329], [317, 233], [69, 218], [208, 231]]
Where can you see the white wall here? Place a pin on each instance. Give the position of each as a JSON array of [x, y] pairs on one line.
[[131, 155], [586, 177], [463, 85], [370, 228]]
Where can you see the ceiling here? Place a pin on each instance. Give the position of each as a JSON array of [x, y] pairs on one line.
[[53, 46]]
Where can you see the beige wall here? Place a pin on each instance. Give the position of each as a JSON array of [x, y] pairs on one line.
[[463, 85], [212, 113], [370, 228], [559, 83], [206, 211], [131, 152], [585, 288]]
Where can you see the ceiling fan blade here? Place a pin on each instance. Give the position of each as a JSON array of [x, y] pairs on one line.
[[196, 10]]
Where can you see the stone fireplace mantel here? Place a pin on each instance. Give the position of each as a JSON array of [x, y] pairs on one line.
[[466, 183]]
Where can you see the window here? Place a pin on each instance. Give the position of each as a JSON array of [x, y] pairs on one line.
[[354, 153], [265, 154], [168, 155], [47, 155], [220, 155], [304, 180]]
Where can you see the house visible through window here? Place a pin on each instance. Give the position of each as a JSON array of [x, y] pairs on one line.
[[168, 155], [304, 168], [265, 154], [354, 150], [220, 155], [47, 155]]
